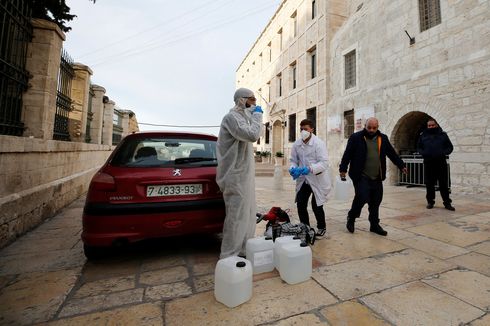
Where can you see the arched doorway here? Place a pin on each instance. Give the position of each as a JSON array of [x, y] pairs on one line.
[[276, 137], [405, 134]]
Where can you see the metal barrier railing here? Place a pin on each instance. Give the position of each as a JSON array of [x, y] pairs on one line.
[[63, 98], [15, 35], [416, 174]]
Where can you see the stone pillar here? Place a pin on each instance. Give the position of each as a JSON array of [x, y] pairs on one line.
[[98, 114], [108, 124], [43, 63], [80, 91], [125, 123]]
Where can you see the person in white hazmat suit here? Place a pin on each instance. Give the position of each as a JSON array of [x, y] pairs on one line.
[[235, 174], [309, 167]]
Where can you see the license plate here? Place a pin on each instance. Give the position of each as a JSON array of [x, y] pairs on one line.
[[174, 190]]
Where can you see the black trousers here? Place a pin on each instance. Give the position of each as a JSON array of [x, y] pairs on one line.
[[367, 191], [302, 204], [436, 170]]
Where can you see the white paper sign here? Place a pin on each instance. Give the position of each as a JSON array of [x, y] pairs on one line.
[[334, 124], [361, 115]]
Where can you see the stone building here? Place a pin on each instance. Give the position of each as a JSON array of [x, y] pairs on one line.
[[401, 61]]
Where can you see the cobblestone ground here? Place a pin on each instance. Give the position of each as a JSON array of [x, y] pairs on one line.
[[433, 268]]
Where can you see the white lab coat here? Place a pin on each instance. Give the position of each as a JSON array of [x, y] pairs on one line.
[[313, 155], [235, 176]]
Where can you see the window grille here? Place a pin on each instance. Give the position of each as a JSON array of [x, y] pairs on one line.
[[294, 76], [430, 14], [292, 128], [348, 123], [267, 133], [63, 97], [350, 69], [311, 115], [15, 34]]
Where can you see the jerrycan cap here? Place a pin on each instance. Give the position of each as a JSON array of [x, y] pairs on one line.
[[296, 237], [268, 238], [303, 244], [241, 264]]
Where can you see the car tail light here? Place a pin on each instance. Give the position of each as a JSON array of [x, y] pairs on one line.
[[103, 182]]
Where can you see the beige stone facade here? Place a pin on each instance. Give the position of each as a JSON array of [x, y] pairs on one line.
[[443, 75], [39, 175]]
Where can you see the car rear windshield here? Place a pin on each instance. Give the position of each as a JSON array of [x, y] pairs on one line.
[[165, 152]]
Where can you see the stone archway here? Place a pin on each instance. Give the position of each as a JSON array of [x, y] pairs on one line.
[[277, 133], [406, 131]]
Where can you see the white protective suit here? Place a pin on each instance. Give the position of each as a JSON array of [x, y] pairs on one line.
[[236, 173], [313, 155]]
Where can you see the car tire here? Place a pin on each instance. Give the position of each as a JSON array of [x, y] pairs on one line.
[[93, 253]]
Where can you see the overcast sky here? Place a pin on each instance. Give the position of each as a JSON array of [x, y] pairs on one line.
[[171, 62]]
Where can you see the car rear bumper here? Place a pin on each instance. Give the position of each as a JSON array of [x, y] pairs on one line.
[[103, 224]]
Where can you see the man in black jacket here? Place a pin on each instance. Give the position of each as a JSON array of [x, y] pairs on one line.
[[366, 153], [434, 145]]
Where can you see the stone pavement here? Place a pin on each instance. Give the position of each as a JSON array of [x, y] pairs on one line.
[[433, 268]]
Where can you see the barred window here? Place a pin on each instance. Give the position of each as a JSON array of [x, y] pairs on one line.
[[350, 69], [294, 17], [292, 128], [267, 132], [430, 13], [279, 85], [313, 9], [311, 115], [293, 75], [348, 123]]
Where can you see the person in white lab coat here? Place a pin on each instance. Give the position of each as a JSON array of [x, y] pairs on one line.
[[309, 167], [235, 174]]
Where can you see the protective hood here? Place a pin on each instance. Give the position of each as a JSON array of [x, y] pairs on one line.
[[241, 96]]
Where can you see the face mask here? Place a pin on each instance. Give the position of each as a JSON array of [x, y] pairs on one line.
[[370, 134], [432, 130], [305, 134]]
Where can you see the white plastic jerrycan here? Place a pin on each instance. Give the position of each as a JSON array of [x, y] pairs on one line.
[[279, 244], [344, 190], [296, 263], [233, 281], [260, 253]]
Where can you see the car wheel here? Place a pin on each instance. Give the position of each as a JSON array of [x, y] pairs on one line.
[[93, 253]]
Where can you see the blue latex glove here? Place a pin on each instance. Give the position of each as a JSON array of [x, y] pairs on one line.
[[304, 170], [295, 172], [258, 109]]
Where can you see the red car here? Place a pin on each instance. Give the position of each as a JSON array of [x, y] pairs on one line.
[[154, 184]]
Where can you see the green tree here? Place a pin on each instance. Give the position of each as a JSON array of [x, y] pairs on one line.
[[53, 10]]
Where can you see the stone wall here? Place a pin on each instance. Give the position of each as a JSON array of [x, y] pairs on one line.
[[443, 75], [39, 177]]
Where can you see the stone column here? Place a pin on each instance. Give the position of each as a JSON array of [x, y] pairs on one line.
[[80, 91], [43, 63], [125, 123], [108, 124], [98, 114]]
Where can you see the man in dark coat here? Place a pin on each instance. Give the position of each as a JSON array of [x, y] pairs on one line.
[[366, 153], [434, 145]]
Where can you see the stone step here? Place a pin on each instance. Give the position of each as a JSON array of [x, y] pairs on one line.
[[266, 170]]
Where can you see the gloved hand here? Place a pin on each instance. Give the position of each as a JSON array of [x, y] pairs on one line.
[[304, 170], [295, 172], [258, 108]]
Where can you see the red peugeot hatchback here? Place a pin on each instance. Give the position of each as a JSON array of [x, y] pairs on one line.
[[154, 184]]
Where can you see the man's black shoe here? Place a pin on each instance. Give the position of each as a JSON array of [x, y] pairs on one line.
[[449, 207], [350, 225], [378, 230], [430, 206]]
